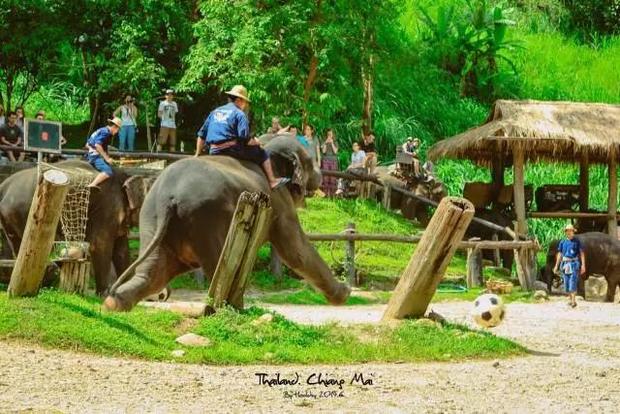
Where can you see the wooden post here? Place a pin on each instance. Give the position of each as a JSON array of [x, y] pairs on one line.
[[612, 201], [350, 256], [497, 174], [387, 197], [430, 259], [39, 234], [584, 178], [245, 235], [519, 189], [74, 276], [526, 265], [474, 268], [497, 258], [149, 140], [275, 265]]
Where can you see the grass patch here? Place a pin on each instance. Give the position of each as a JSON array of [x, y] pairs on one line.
[[71, 322]]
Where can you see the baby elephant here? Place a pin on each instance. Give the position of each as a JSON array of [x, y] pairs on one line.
[[602, 254]]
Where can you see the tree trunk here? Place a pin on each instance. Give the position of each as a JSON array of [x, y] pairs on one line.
[[39, 234], [367, 82], [312, 72], [419, 281]]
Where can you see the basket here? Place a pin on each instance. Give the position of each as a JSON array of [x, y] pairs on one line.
[[501, 287], [69, 251]]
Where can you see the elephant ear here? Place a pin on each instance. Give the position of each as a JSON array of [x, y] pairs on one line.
[[136, 188]]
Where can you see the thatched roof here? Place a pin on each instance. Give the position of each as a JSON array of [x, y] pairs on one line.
[[556, 131]]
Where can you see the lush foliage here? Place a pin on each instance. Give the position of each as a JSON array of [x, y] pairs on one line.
[[594, 17], [76, 323]]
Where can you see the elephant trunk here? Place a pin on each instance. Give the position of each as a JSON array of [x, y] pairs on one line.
[[314, 180]]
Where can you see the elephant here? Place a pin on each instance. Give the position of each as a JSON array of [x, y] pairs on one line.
[[602, 255], [485, 233], [431, 188], [186, 215], [111, 212]]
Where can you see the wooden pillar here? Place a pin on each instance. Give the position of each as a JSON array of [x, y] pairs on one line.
[[427, 266], [245, 234], [39, 234], [275, 264], [387, 197], [474, 268], [350, 256], [497, 258], [497, 176], [519, 189], [612, 201], [584, 178]]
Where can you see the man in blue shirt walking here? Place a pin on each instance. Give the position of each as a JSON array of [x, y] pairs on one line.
[[570, 262], [227, 132], [98, 155]]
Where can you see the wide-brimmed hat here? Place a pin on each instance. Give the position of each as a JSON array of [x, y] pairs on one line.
[[169, 91], [569, 227], [116, 121], [239, 91]]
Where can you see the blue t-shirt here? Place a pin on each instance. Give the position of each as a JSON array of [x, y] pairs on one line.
[[224, 124], [303, 141], [102, 136], [570, 249]]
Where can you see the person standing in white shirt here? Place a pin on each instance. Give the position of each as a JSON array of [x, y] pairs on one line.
[[167, 112]]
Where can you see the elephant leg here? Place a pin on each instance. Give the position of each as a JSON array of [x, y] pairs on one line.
[[152, 275], [120, 255], [612, 285], [298, 254], [101, 257]]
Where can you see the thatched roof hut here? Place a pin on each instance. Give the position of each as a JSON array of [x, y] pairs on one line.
[[556, 131]]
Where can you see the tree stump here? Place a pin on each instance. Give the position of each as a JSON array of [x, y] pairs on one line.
[[39, 234], [245, 235], [74, 275], [419, 281]]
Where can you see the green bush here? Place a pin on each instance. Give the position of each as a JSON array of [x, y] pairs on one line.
[[594, 17]]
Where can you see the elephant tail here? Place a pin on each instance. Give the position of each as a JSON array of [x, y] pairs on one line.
[[159, 235]]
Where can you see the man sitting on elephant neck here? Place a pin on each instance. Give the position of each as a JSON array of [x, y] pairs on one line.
[[570, 261], [227, 131], [98, 155]]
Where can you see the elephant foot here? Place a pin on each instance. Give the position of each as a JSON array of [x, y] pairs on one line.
[[114, 304], [340, 296]]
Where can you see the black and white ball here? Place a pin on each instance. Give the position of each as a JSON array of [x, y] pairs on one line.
[[488, 310]]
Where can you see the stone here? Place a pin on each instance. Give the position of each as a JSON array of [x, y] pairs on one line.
[[540, 285], [264, 319], [178, 353], [496, 364], [191, 339], [596, 288], [541, 295]]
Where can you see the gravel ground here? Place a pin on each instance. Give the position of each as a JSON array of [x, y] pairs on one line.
[[574, 367]]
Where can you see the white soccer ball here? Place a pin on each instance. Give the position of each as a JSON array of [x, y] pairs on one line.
[[488, 310]]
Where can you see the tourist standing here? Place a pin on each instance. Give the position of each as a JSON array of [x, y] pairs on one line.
[[368, 146], [314, 147], [167, 112], [329, 162], [128, 112]]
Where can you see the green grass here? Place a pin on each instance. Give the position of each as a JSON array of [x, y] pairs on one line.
[[71, 322]]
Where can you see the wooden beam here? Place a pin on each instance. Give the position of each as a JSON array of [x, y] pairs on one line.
[[584, 179], [519, 189], [497, 172], [612, 200], [43, 217], [429, 261], [568, 214]]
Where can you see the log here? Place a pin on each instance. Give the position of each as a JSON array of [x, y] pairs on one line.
[[349, 261], [245, 234], [74, 276], [39, 234], [519, 189], [612, 200], [427, 266], [474, 268]]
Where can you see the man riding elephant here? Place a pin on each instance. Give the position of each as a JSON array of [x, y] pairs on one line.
[[187, 213], [227, 131]]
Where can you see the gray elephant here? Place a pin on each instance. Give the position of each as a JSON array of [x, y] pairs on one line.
[[186, 215], [602, 255], [111, 213]]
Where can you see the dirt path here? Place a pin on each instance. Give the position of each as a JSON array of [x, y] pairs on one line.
[[576, 368]]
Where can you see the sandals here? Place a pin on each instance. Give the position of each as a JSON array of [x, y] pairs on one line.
[[281, 183]]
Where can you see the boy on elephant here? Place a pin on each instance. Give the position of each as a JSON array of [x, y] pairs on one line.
[[98, 155], [227, 132], [570, 261]]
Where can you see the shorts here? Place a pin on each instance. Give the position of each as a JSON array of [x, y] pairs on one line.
[[570, 279], [240, 151], [100, 165], [168, 136]]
